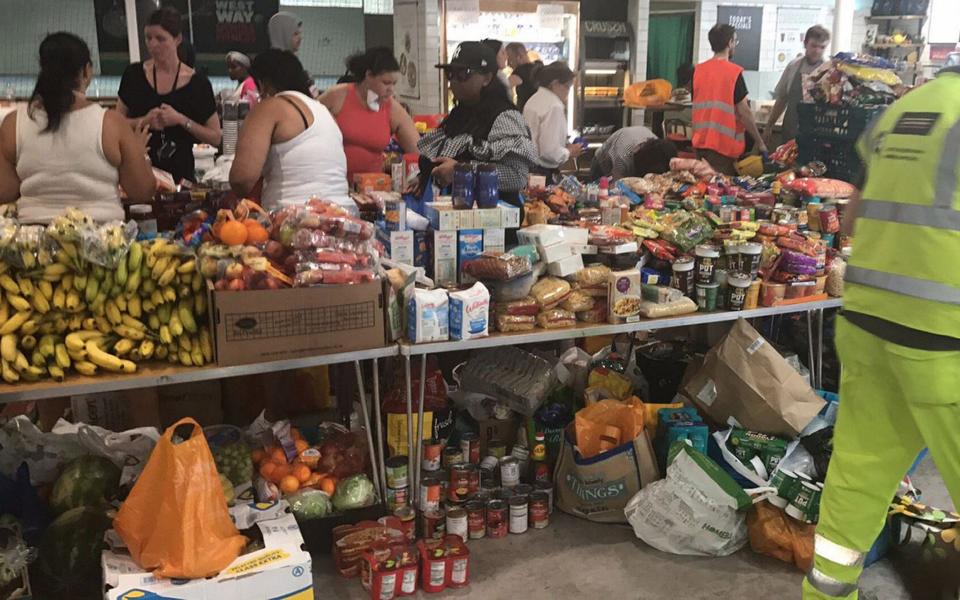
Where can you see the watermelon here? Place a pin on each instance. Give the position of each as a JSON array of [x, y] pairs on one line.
[[85, 481], [68, 563]]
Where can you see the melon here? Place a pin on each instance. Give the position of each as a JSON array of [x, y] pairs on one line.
[[68, 563], [85, 481]]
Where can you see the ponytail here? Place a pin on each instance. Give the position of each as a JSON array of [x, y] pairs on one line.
[[63, 56], [374, 61]]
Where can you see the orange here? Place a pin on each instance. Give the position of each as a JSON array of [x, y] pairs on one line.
[[301, 445], [278, 456], [295, 433], [267, 469], [289, 484], [302, 473], [257, 456], [329, 485], [314, 480]]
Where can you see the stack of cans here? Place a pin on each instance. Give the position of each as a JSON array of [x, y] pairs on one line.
[[797, 494]]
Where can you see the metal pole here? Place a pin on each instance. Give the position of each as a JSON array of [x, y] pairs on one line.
[[419, 447], [133, 30], [820, 348], [379, 418], [410, 472], [366, 423], [813, 367]]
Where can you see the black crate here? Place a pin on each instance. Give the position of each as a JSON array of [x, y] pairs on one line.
[[318, 533], [840, 156], [836, 122]]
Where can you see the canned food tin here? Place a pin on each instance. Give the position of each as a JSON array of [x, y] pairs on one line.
[[459, 570], [496, 448], [473, 480], [539, 509], [496, 519], [522, 489], [434, 524], [397, 497], [460, 482], [488, 478], [489, 462], [396, 467], [408, 521], [502, 494], [480, 495], [429, 494], [518, 514], [476, 519], [457, 523], [509, 471], [432, 449], [547, 488], [470, 448], [452, 456]]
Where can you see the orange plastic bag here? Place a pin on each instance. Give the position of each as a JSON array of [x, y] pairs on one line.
[[607, 424], [774, 534], [175, 521], [654, 92]]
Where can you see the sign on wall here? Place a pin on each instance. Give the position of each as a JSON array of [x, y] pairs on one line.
[[792, 24], [220, 26], [406, 45], [748, 21]]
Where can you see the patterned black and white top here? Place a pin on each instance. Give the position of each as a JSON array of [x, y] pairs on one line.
[[508, 146]]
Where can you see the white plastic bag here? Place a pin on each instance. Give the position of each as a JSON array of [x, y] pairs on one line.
[[696, 510]]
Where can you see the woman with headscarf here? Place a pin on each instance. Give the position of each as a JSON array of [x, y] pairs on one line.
[[484, 126], [238, 68], [286, 31]]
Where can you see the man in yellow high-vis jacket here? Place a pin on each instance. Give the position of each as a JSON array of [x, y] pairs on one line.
[[899, 336]]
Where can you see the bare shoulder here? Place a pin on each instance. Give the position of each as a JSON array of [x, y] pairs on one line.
[[333, 97]]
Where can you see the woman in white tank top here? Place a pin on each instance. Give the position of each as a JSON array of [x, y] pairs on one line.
[[289, 138], [61, 150]]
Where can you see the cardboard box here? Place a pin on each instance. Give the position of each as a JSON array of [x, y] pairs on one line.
[[467, 219], [118, 411], [444, 257], [282, 569], [509, 216], [541, 235], [421, 249], [624, 296], [266, 325], [566, 266], [442, 216], [469, 247], [620, 248], [554, 252], [200, 400], [488, 218], [584, 248], [504, 430], [576, 235], [371, 182], [494, 240], [401, 247]]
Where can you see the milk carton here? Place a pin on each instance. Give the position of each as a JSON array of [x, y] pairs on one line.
[[469, 313]]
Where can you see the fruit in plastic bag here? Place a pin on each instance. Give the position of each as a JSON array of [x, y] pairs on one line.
[[86, 481], [310, 504], [353, 492], [234, 462]]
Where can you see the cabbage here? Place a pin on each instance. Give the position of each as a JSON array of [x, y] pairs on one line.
[[355, 491], [309, 504]]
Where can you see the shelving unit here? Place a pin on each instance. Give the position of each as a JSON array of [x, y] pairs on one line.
[[606, 62], [907, 53]]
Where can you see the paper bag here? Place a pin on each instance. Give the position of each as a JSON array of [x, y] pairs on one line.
[[744, 377], [598, 488]]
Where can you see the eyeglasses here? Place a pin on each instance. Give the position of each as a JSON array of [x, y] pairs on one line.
[[460, 75]]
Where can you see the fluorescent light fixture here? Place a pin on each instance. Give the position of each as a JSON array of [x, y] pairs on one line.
[[601, 71]]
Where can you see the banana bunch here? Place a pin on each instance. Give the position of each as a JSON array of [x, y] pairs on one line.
[[66, 313]]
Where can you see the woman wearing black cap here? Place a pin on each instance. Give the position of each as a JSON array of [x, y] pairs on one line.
[[484, 126]]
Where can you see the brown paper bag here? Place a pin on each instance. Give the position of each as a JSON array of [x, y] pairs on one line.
[[744, 377], [598, 488]]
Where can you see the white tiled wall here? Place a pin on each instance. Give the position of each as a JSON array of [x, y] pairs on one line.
[[26, 22], [429, 42], [638, 14]]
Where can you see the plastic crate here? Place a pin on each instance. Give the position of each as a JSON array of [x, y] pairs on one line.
[[836, 122], [841, 157]]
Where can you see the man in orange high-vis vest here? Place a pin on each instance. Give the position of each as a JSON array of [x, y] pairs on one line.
[[721, 111]]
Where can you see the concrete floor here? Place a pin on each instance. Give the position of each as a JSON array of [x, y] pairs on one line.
[[578, 559]]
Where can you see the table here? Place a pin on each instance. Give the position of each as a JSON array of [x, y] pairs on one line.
[[814, 311]]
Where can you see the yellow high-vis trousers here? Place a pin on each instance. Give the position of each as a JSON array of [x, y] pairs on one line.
[[894, 401]]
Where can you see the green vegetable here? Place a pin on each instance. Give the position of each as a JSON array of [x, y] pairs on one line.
[[233, 460], [355, 491], [86, 481], [310, 504]]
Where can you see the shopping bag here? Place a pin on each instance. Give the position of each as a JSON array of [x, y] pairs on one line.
[[696, 510], [744, 377], [606, 424], [175, 521], [598, 488], [774, 534]]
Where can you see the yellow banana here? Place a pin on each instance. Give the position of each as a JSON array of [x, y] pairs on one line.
[[165, 336], [15, 322], [185, 343], [206, 345], [103, 324], [40, 303], [85, 368], [66, 282], [160, 352], [186, 317], [45, 288], [100, 358], [77, 355], [169, 294], [154, 322], [113, 312], [37, 359], [183, 292], [157, 297], [56, 372], [150, 260], [159, 267], [121, 301], [146, 349], [47, 327], [200, 305], [73, 301], [9, 284], [188, 266], [73, 324], [167, 276], [176, 327], [8, 347], [163, 313], [128, 366], [30, 327], [46, 345], [60, 298], [78, 339], [196, 355], [26, 286], [120, 275], [54, 272], [21, 362], [28, 342], [131, 322], [148, 306], [10, 375], [173, 354], [4, 308], [89, 324], [185, 359], [99, 302], [130, 332], [123, 346], [61, 356], [133, 282], [19, 303], [90, 292], [196, 284], [33, 372], [80, 282], [134, 258], [135, 307], [148, 286]]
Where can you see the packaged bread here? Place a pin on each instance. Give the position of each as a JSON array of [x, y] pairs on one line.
[[508, 323], [577, 301], [523, 307], [550, 291], [556, 318], [594, 275], [652, 310], [596, 314], [497, 267]]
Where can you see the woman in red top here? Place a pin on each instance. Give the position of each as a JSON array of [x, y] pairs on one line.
[[366, 112]]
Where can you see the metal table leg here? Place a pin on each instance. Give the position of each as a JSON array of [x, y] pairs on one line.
[[419, 440], [820, 317], [409, 390], [379, 418], [810, 364], [365, 412]]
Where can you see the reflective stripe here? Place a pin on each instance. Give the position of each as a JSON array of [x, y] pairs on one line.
[[715, 105], [901, 284], [911, 214], [947, 169], [723, 129], [836, 553], [825, 584]]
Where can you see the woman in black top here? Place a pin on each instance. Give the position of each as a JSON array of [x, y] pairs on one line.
[[176, 102], [523, 79]]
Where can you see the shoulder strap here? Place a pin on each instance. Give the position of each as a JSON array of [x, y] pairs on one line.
[[303, 117]]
